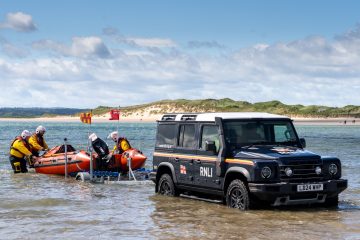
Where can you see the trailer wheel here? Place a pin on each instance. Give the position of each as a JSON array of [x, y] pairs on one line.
[[82, 176]]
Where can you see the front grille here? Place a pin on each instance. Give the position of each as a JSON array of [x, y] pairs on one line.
[[302, 171]]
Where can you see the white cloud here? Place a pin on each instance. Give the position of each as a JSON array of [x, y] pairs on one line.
[[138, 42], [312, 70], [150, 42], [19, 21], [80, 47], [205, 44], [12, 50], [86, 46]]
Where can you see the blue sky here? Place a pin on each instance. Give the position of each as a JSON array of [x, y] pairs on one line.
[[90, 53]]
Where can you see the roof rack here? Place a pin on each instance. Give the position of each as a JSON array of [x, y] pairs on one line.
[[188, 117], [168, 117]]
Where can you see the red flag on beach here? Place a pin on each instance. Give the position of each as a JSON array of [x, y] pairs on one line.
[[85, 117], [114, 114]]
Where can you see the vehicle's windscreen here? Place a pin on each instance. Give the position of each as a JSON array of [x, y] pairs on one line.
[[245, 133]]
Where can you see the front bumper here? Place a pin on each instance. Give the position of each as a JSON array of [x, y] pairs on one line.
[[285, 193]]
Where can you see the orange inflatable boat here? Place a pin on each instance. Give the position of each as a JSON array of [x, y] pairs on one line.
[[53, 161], [120, 161]]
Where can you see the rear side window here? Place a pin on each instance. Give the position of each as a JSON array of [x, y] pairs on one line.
[[210, 133], [187, 136], [166, 135]]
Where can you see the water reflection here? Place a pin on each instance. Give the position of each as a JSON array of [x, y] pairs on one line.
[[178, 218]]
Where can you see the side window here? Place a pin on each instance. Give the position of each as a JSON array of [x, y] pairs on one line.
[[279, 131], [210, 133], [187, 136], [166, 135]]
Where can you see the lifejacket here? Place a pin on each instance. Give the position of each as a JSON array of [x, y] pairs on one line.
[[26, 144], [40, 140], [119, 147], [37, 143]]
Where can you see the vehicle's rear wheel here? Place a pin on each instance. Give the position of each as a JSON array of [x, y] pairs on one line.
[[237, 195], [166, 186], [332, 202]]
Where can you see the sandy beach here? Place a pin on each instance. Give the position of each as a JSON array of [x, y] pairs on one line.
[[105, 118], [95, 118], [75, 119], [327, 121]]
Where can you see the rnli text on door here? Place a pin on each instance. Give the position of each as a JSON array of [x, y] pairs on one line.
[[206, 172]]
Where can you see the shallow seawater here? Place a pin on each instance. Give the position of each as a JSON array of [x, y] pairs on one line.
[[35, 206]]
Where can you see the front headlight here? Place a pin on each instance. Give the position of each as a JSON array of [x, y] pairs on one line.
[[318, 170], [333, 169], [288, 172], [265, 172]]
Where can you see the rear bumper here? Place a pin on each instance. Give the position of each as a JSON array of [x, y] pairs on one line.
[[285, 193]]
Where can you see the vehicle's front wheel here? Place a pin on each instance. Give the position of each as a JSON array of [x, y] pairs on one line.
[[332, 202], [166, 186], [237, 195]]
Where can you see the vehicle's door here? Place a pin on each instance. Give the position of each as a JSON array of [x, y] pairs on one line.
[[185, 153], [205, 162]]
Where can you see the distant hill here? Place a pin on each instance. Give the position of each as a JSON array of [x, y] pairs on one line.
[[37, 112], [229, 105], [204, 105]]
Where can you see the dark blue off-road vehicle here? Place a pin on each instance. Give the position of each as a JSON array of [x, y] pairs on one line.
[[243, 159]]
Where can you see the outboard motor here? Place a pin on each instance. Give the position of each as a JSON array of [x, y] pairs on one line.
[[102, 149]]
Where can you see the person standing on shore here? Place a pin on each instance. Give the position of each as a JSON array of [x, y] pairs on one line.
[[37, 141], [20, 152]]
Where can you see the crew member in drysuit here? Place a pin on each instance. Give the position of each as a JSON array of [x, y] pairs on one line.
[[102, 149], [20, 152], [121, 143], [37, 141]]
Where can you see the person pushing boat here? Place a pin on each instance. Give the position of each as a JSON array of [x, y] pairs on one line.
[[20, 153], [121, 143], [37, 141]]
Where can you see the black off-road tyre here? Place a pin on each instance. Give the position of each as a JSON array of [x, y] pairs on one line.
[[237, 195], [166, 186], [331, 202]]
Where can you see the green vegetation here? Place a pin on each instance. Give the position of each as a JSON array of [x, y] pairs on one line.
[[229, 105], [201, 105]]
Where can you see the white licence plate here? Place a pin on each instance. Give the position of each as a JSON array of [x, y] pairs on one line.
[[310, 187]]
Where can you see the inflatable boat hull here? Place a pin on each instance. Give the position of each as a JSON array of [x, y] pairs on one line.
[[55, 163]]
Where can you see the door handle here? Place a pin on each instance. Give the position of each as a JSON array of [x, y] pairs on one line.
[[176, 159], [198, 161]]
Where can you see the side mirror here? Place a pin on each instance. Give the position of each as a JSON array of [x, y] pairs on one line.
[[210, 146], [303, 142]]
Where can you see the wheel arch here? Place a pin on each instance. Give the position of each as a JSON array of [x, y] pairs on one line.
[[236, 173], [165, 167]]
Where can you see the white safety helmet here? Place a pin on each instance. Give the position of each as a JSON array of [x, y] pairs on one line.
[[113, 136], [93, 137], [40, 130], [25, 134]]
